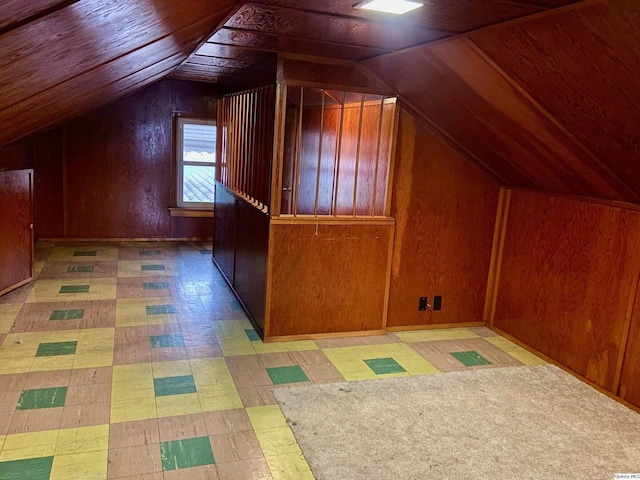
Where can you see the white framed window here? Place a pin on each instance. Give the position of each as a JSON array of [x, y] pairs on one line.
[[195, 162]]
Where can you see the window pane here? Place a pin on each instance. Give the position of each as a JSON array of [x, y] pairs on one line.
[[197, 184], [199, 143]]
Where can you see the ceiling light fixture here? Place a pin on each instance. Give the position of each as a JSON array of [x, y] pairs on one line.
[[397, 7]]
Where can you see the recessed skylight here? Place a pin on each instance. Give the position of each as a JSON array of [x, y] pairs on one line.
[[397, 7]]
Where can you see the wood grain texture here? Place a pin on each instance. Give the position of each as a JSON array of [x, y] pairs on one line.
[[629, 386], [506, 132], [224, 231], [14, 13], [191, 227], [46, 78], [330, 282], [48, 152], [583, 66], [16, 156], [568, 271], [16, 233], [445, 211], [118, 166]]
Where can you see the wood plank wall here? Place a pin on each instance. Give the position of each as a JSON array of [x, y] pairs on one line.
[[568, 282], [16, 233], [108, 174], [445, 210], [328, 278]]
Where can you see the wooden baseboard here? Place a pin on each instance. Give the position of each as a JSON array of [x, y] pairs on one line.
[[152, 239], [548, 359], [405, 328], [322, 336], [17, 285]]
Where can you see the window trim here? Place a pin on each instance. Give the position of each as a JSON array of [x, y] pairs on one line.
[[179, 163]]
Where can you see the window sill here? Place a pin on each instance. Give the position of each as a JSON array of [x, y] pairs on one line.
[[190, 212]]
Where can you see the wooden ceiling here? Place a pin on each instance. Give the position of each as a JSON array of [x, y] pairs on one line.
[[542, 94]]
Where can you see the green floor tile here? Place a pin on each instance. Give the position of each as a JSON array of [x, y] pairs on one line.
[[67, 315], [56, 348], [160, 309], [380, 366], [165, 341], [156, 285], [29, 469], [42, 398], [174, 385], [291, 374], [74, 289], [236, 306], [206, 252], [470, 358], [81, 269], [252, 334], [191, 452], [85, 253], [152, 268], [149, 252]]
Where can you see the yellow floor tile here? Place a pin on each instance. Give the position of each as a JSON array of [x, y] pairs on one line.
[[219, 400], [289, 466], [56, 362], [2, 438], [122, 391], [131, 312], [341, 354], [266, 417], [516, 351], [174, 405], [49, 290], [171, 369], [277, 441], [29, 445], [82, 439], [8, 314], [417, 366], [85, 466], [132, 373], [130, 410], [65, 254], [437, 334], [93, 360]]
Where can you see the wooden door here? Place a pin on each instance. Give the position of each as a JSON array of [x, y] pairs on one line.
[[16, 229]]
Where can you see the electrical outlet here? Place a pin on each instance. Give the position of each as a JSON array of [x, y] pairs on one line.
[[422, 304], [437, 302]]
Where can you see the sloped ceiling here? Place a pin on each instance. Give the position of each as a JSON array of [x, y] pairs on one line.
[[542, 94]]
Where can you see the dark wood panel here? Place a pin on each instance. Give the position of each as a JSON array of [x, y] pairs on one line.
[[568, 271], [252, 244], [16, 234], [629, 385], [48, 151], [200, 228], [337, 30], [583, 66], [98, 87], [224, 231], [16, 156], [328, 279], [494, 122], [275, 43], [445, 212], [230, 51], [450, 16], [14, 13], [327, 75]]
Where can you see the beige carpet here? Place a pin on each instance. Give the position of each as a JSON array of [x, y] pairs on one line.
[[494, 424]]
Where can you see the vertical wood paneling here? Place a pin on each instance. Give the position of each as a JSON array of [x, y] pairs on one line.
[[328, 278], [445, 215], [48, 151], [629, 385], [568, 271], [16, 234], [224, 231], [118, 166], [16, 156]]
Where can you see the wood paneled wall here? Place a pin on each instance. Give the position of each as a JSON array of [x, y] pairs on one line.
[[109, 174], [16, 156], [240, 249], [629, 387], [328, 278], [445, 210], [16, 233], [568, 279]]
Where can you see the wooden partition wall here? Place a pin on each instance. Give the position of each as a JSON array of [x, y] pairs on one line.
[[568, 286], [302, 231]]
